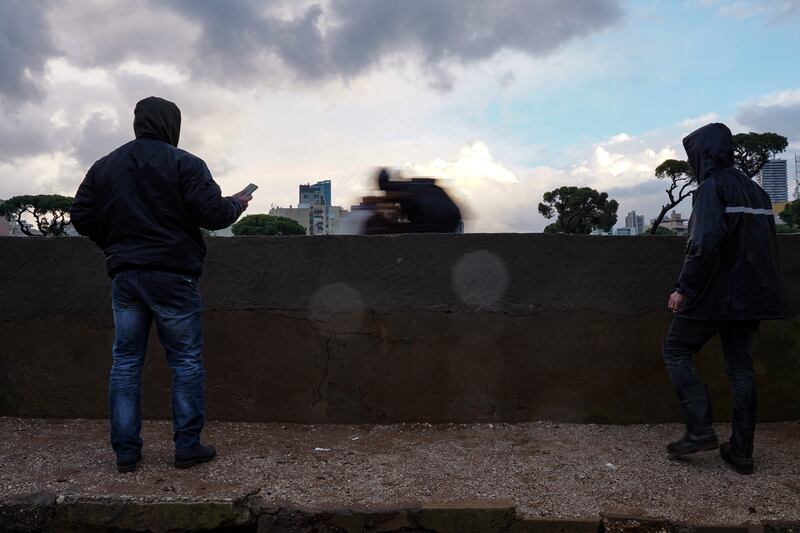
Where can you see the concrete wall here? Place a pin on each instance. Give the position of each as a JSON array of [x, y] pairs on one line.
[[503, 327]]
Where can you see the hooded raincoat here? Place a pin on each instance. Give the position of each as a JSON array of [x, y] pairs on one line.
[[145, 202], [731, 270]]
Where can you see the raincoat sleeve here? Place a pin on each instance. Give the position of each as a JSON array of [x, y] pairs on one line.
[[83, 213], [705, 240], [203, 197]]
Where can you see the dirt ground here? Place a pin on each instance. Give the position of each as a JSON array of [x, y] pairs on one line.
[[546, 469]]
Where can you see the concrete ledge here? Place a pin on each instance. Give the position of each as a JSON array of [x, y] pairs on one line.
[[384, 329]]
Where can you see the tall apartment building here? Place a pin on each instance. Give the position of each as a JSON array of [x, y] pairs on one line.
[[635, 222], [317, 194], [314, 210], [774, 179]]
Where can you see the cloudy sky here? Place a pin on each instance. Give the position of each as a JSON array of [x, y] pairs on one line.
[[503, 100]]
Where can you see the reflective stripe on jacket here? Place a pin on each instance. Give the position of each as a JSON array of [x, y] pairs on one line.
[[732, 269]]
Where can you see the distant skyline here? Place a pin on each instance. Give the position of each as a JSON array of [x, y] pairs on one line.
[[503, 100]]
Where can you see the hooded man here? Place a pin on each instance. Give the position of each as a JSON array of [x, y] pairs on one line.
[[730, 281], [428, 208], [144, 205]]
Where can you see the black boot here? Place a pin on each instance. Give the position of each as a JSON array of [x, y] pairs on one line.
[[201, 454], [738, 452], [736, 459], [128, 465], [700, 436]]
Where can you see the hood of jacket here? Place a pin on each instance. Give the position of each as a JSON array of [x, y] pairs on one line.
[[709, 148], [159, 119]]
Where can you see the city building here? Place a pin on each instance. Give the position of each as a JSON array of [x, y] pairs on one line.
[[675, 223], [797, 176], [314, 212], [317, 194], [635, 222], [10, 228], [625, 231], [773, 177]]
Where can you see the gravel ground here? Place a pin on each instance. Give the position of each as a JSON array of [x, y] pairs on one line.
[[547, 469]]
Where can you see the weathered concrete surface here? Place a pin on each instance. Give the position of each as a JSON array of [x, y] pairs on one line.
[[531, 477], [437, 328]]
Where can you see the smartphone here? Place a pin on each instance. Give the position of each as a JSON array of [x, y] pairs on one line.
[[250, 188]]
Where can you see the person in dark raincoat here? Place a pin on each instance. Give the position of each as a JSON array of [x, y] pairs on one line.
[[144, 205], [729, 282]]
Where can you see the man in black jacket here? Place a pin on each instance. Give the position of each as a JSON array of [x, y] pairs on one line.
[[428, 208], [730, 281], [144, 205]]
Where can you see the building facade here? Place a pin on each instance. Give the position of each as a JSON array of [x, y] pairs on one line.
[[314, 211], [675, 223], [635, 222], [797, 176], [773, 177]]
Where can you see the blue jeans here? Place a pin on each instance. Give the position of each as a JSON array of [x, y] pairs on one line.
[[173, 301]]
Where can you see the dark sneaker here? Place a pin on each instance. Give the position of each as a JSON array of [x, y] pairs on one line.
[[735, 459], [689, 444], [202, 454], [128, 465]]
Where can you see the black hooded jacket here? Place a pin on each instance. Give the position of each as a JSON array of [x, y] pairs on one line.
[[428, 208], [145, 202], [731, 270]]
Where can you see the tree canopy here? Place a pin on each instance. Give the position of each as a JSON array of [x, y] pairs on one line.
[[791, 214], [49, 212], [267, 225], [660, 230], [751, 150], [578, 210], [680, 186]]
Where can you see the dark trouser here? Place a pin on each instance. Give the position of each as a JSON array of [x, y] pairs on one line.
[[173, 301], [685, 338]]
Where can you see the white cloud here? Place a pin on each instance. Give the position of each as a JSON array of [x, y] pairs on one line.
[[617, 139], [622, 160], [60, 70], [696, 122], [474, 164], [163, 72], [778, 112], [493, 197], [786, 98], [776, 10]]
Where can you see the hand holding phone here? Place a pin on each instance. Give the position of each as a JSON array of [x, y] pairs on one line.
[[246, 195]]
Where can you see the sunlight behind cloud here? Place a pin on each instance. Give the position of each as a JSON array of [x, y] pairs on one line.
[[474, 163], [60, 70], [163, 72]]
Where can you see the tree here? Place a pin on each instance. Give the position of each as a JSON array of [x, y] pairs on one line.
[[578, 210], [785, 228], [49, 211], [660, 230], [791, 214], [752, 150], [267, 225], [680, 186]]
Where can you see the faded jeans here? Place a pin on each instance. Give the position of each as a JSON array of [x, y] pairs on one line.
[[173, 300]]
